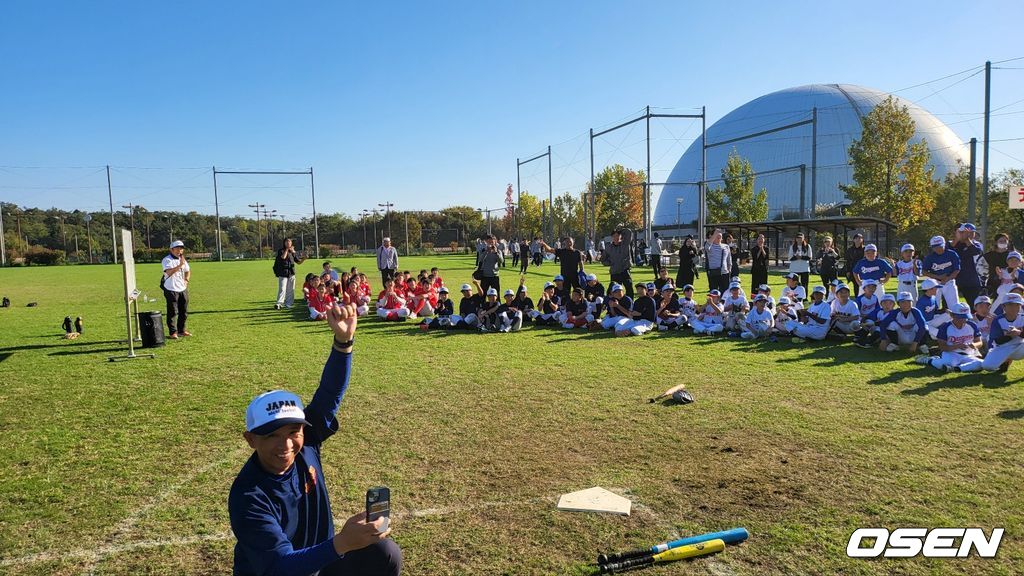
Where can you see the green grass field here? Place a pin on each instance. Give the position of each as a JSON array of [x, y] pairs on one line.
[[124, 468]]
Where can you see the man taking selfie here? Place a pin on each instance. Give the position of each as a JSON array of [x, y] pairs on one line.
[[279, 508]]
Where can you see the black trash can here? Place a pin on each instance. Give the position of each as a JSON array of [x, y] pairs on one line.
[[151, 328]]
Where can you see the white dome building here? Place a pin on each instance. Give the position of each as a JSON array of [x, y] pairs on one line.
[[840, 108]]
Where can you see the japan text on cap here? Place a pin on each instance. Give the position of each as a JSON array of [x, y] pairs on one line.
[[271, 410]]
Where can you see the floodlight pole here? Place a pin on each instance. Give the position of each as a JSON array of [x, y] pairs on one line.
[[216, 209], [527, 161], [316, 225], [551, 219], [985, 151], [702, 211], [814, 160], [519, 198], [647, 187], [110, 196], [387, 215], [3, 246], [593, 194]]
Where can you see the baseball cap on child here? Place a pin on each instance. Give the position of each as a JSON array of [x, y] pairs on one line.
[[652, 286], [443, 290], [819, 290], [889, 297], [907, 247], [714, 293], [559, 278], [687, 287], [1013, 298], [784, 300], [792, 276], [904, 296], [937, 241], [508, 292], [869, 282], [760, 298], [550, 285], [591, 277], [616, 288], [492, 292], [967, 227], [841, 287], [1013, 254], [983, 299], [465, 287], [271, 410], [928, 284], [177, 244], [734, 285], [871, 248], [960, 310]]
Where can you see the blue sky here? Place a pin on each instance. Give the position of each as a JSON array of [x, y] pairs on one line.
[[430, 104]]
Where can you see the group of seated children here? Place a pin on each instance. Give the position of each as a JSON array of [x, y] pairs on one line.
[[323, 291], [407, 297]]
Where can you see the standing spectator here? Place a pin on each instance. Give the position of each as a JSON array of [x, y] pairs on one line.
[[600, 248], [524, 256], [969, 250], [387, 260], [656, 248], [503, 250], [828, 260], [996, 258], [800, 258], [687, 262], [854, 253], [177, 275], [514, 247], [536, 252], [490, 261], [719, 263], [734, 254], [284, 269], [617, 256], [589, 250], [571, 262], [758, 264]]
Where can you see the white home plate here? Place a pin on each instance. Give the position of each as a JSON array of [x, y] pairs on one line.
[[595, 499]]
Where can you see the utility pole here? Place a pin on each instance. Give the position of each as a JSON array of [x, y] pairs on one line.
[[364, 213], [63, 233], [88, 231], [259, 233], [984, 165], [387, 214], [972, 185], [268, 218], [375, 212], [110, 196]]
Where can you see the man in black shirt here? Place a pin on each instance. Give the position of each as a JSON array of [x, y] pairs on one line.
[[643, 314], [571, 261], [854, 254]]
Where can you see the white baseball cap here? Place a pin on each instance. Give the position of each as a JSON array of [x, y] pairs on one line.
[[492, 292], [509, 292], [869, 282], [890, 298], [904, 296], [549, 285], [928, 284], [906, 247], [177, 244], [760, 298], [559, 278], [937, 241], [615, 288], [465, 287], [271, 410], [983, 299], [443, 290], [785, 300], [819, 290], [960, 310], [1013, 254], [871, 248], [1013, 298], [591, 277]]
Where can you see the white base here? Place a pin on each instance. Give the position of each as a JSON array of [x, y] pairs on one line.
[[595, 499]]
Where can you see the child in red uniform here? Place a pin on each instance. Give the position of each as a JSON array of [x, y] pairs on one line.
[[419, 303], [309, 286], [438, 281], [390, 305], [355, 297]]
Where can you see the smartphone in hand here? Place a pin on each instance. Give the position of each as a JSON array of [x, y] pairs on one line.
[[378, 505]]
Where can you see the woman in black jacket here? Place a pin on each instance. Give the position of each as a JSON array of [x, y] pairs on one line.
[[687, 263], [758, 264], [827, 260], [853, 255]]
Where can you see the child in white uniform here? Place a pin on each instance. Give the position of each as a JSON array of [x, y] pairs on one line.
[[959, 340], [819, 319], [735, 306], [794, 291], [908, 270], [845, 312], [1007, 344], [758, 322], [709, 320]]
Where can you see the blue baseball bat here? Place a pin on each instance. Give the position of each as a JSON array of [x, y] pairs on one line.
[[733, 536]]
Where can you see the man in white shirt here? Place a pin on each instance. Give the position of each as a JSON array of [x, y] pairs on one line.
[[175, 284]]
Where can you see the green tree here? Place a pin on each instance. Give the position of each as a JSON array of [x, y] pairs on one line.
[[529, 214], [1000, 217], [891, 176], [736, 201], [618, 198]]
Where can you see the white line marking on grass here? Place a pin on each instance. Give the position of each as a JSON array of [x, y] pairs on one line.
[[93, 556]]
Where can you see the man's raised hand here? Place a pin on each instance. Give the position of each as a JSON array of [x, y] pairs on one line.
[[343, 320]]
